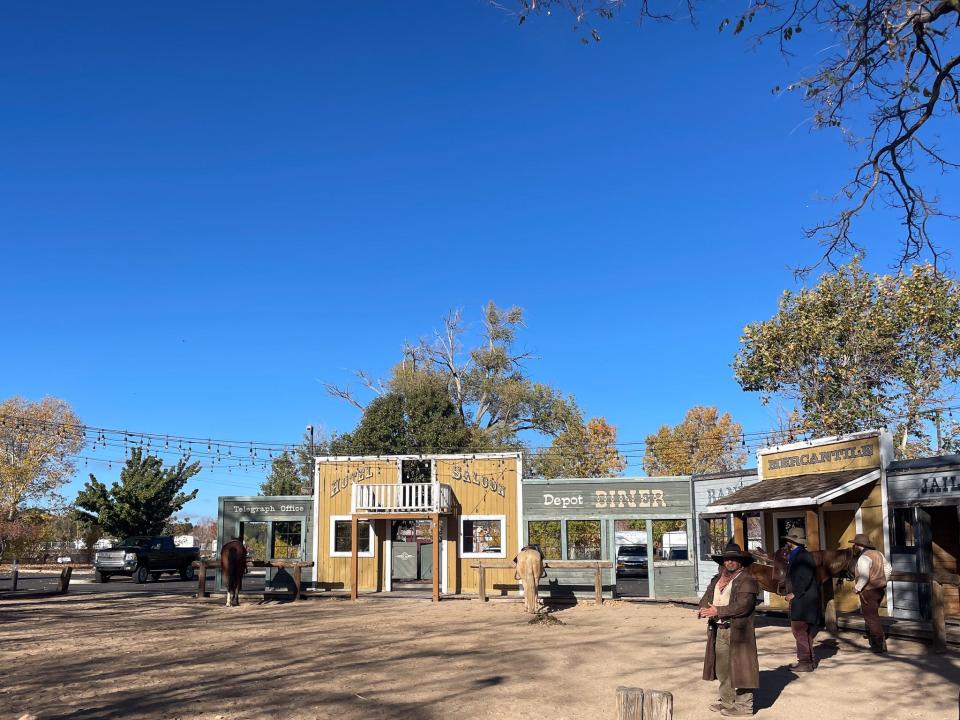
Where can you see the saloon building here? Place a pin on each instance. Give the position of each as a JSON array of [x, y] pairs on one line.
[[406, 521]]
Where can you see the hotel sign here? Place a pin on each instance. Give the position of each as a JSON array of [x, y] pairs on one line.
[[858, 454]]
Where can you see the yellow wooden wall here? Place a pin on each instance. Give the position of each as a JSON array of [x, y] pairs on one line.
[[477, 486], [334, 496]]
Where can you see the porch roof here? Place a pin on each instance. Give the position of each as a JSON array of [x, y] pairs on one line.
[[793, 491]]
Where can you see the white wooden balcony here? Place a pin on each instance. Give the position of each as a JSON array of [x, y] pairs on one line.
[[391, 498]]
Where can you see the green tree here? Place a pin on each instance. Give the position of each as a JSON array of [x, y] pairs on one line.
[[417, 418], [859, 351], [704, 442], [142, 501], [884, 74], [488, 386], [581, 451], [285, 477]]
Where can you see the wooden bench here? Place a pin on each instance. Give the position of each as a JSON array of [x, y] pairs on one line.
[[205, 564], [598, 566]]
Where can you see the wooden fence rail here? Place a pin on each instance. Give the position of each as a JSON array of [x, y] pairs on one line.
[[598, 566], [205, 564], [937, 617]]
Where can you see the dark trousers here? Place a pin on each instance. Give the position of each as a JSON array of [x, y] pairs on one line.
[[803, 633], [870, 609]]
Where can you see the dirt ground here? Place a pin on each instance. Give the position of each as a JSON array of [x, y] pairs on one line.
[[165, 657]]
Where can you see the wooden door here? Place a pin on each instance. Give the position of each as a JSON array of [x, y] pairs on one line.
[[945, 551], [839, 527]]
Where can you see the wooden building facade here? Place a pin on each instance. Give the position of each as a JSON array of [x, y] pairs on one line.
[[832, 488], [714, 530], [371, 513], [643, 525], [924, 499]]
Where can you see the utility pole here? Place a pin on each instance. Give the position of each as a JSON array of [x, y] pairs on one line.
[[936, 420], [310, 477]]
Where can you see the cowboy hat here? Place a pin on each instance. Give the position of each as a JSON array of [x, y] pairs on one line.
[[863, 540], [797, 535], [733, 552]]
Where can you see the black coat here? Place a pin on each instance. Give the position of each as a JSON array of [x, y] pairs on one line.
[[802, 582]]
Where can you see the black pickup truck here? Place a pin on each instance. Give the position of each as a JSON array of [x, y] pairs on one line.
[[143, 557]]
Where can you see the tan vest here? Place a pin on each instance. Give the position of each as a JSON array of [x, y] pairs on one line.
[[877, 577]]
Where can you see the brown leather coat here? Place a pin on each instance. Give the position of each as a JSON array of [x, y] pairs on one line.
[[745, 670]]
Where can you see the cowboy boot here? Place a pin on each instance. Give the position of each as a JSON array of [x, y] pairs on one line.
[[876, 644]]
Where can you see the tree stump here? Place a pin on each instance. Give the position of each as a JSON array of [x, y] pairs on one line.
[[63, 585], [629, 703], [657, 705]]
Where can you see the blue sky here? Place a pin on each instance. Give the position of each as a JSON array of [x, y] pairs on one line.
[[206, 211]]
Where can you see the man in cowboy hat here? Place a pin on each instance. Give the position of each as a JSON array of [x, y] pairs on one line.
[[803, 595], [870, 583], [731, 655]]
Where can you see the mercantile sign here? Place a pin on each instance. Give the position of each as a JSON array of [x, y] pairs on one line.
[[857, 454]]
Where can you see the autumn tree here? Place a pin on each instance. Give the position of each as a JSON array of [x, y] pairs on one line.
[[859, 351], [146, 496], [37, 442], [704, 442], [884, 74], [581, 451], [488, 385]]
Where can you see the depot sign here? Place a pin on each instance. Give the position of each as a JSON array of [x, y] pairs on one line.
[[608, 499]]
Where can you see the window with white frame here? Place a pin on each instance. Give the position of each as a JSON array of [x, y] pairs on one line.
[[340, 537], [482, 536]]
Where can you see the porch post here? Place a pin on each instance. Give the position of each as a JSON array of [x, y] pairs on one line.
[[354, 560], [812, 518], [436, 557], [739, 532]]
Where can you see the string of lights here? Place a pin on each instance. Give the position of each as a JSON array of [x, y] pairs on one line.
[[218, 454]]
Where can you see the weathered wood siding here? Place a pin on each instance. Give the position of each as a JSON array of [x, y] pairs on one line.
[[335, 481], [481, 486], [705, 492]]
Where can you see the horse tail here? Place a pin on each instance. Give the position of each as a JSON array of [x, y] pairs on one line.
[[232, 568]]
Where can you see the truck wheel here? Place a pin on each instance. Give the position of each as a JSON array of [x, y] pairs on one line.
[[141, 575], [187, 573], [100, 576]]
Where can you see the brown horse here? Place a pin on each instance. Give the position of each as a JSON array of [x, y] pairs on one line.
[[233, 565], [771, 573]]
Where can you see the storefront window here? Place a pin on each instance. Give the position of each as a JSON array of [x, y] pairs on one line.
[[903, 535], [254, 535], [481, 536], [287, 539], [786, 524], [546, 534], [716, 532], [669, 541], [341, 537], [583, 539]]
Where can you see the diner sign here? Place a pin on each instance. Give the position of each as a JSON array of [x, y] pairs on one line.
[[858, 454]]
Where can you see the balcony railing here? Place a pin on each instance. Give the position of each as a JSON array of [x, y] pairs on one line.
[[401, 498]]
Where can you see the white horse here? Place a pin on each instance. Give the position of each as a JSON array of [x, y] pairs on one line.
[[529, 562]]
